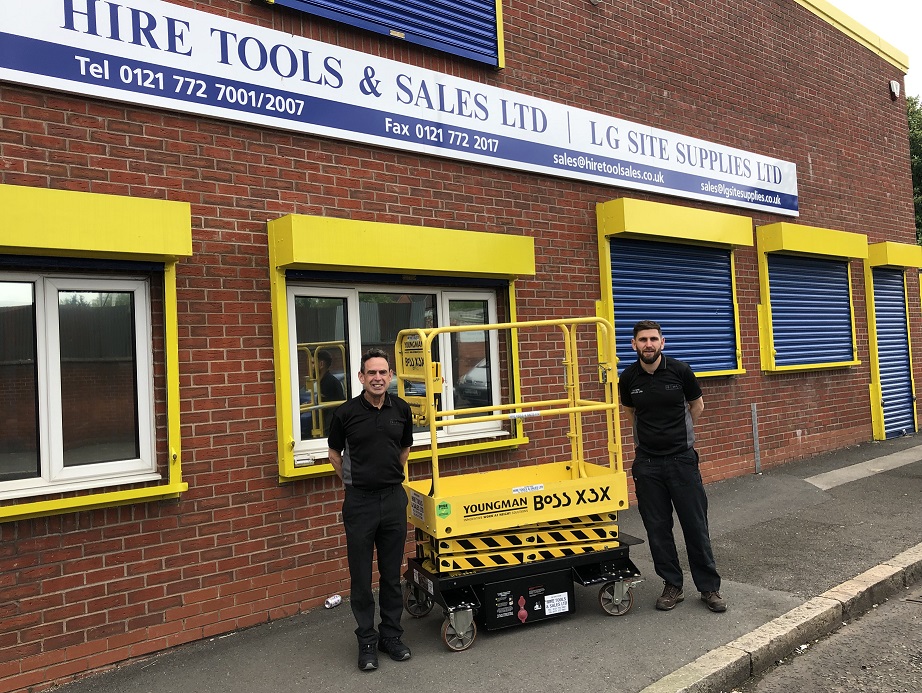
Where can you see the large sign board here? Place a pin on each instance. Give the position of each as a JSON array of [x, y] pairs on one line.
[[172, 57]]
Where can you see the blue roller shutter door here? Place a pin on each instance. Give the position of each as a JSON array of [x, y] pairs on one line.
[[811, 310], [467, 28], [687, 289], [893, 352]]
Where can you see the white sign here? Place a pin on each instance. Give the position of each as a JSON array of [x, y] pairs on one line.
[[556, 603], [164, 55]]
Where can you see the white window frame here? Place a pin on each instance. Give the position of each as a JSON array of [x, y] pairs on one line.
[[488, 427], [309, 451], [54, 477]]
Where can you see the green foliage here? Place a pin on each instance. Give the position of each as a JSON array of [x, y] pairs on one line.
[[914, 109]]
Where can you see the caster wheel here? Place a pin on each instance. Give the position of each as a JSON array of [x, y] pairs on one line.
[[415, 601], [615, 600], [455, 641]]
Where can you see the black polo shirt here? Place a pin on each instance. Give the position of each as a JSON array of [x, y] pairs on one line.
[[370, 440], [662, 422]]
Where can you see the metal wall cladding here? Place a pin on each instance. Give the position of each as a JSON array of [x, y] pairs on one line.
[[811, 310], [687, 289], [893, 352], [467, 28]]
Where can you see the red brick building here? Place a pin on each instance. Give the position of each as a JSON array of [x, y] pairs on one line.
[[197, 197]]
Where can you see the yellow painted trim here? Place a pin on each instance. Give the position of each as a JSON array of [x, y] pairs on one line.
[[283, 395], [766, 336], [64, 223], [500, 37], [848, 26], [876, 392], [669, 222], [171, 349], [802, 367], [311, 242], [890, 254], [811, 240], [627, 215], [94, 501]]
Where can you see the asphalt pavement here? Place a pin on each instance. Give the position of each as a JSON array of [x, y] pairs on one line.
[[802, 549], [877, 653]]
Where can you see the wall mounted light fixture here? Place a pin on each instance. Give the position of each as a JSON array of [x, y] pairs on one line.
[[894, 89]]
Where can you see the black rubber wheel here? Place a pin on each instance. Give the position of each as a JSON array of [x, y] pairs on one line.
[[415, 601], [612, 606], [455, 641]]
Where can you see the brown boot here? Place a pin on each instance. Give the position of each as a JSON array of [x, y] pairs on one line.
[[714, 601], [671, 596]]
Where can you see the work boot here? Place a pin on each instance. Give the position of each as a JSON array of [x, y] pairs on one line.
[[714, 601], [394, 648], [671, 596], [368, 658]]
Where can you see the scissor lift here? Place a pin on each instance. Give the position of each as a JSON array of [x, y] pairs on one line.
[[503, 548]]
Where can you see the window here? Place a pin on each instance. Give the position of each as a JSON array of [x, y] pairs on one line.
[[376, 279], [332, 327], [89, 350], [77, 383], [811, 311], [467, 28], [674, 265], [688, 290], [806, 318]]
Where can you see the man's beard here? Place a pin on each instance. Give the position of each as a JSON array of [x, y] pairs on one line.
[[650, 359]]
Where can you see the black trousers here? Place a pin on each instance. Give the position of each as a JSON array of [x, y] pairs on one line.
[[376, 520], [674, 482]]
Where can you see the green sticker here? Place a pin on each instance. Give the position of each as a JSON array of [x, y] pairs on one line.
[[443, 510]]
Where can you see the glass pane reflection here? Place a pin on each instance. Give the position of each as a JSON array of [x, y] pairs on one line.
[[322, 362], [99, 389], [19, 451]]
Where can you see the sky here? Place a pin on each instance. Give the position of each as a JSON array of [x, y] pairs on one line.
[[899, 23]]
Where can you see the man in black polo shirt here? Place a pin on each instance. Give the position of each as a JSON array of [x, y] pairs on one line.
[[663, 401], [370, 439]]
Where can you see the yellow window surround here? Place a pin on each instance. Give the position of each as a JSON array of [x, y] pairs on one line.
[[785, 237], [304, 242], [891, 255], [62, 223], [675, 223]]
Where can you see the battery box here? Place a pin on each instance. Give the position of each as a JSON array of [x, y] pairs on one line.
[[531, 598]]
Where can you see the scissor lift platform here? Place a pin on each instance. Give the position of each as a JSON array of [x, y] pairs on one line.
[[505, 547]]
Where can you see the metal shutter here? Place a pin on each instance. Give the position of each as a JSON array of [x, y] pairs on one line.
[[893, 352], [685, 288], [461, 27], [811, 310]]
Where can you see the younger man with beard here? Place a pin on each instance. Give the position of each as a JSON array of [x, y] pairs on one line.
[[663, 401]]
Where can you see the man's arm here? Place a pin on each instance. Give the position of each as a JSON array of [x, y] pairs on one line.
[[337, 461], [630, 414], [695, 407], [404, 456]]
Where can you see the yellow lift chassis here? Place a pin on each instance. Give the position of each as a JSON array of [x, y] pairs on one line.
[[503, 548]]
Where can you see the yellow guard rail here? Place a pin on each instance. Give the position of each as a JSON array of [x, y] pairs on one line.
[[488, 501]]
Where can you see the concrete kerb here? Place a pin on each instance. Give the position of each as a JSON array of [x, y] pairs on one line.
[[732, 664]]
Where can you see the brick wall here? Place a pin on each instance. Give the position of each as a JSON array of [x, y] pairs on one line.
[[86, 590]]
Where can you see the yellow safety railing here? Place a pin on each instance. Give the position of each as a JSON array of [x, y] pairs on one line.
[[414, 364]]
